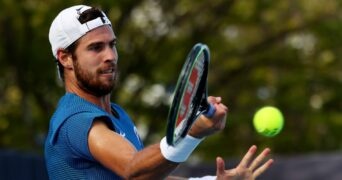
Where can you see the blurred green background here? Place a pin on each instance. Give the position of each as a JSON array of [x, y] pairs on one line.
[[283, 53]]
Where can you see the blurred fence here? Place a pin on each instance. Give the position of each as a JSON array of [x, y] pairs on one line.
[[24, 166]]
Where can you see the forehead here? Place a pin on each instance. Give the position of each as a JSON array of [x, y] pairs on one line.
[[101, 34]]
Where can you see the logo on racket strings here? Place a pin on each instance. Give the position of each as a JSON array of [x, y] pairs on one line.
[[190, 91]]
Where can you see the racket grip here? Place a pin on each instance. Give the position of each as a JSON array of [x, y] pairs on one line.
[[209, 113]]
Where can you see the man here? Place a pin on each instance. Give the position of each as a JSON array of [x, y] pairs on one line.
[[92, 138]]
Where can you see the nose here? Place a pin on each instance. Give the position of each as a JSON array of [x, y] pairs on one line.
[[111, 55]]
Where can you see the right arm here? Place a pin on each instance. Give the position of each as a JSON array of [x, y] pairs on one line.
[[120, 156]]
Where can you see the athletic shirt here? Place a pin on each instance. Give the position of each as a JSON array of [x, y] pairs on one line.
[[67, 153]]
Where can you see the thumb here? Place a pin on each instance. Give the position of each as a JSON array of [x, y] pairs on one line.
[[220, 166]]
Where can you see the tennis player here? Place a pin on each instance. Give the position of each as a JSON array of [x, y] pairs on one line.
[[92, 138]]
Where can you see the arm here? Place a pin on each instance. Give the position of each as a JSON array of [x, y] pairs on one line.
[[119, 155]]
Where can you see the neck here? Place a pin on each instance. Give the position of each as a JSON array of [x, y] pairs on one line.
[[101, 101]]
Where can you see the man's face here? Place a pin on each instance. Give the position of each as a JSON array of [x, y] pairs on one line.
[[95, 61]]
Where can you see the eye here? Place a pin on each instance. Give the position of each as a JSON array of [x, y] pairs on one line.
[[96, 47], [113, 44]]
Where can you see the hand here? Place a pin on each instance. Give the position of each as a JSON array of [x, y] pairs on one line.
[[248, 169], [204, 126]]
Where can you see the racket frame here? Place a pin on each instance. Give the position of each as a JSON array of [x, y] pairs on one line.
[[176, 131]]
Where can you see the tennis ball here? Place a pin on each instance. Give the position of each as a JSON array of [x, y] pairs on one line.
[[268, 121]]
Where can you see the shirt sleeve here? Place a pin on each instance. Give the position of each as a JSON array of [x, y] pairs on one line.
[[77, 129]]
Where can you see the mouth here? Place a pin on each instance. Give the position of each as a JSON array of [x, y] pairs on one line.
[[107, 71]]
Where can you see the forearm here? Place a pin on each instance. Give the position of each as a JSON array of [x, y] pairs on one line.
[[162, 159], [117, 154], [154, 162], [149, 164]]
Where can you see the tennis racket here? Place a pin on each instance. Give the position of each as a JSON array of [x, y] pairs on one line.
[[190, 96]]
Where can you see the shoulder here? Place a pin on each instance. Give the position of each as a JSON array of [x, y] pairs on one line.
[[73, 109]]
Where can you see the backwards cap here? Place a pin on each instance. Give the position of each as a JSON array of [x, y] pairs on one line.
[[66, 28]]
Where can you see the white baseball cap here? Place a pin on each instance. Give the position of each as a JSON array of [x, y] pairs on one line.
[[66, 28]]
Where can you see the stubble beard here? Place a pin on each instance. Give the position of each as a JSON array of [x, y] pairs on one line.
[[90, 82]]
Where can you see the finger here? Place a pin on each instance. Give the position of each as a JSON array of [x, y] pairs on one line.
[[221, 108], [224, 107], [248, 156], [263, 168], [218, 99], [223, 124], [258, 160], [214, 100], [220, 166], [211, 99]]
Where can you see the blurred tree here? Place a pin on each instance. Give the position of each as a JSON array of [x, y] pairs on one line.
[[282, 53]]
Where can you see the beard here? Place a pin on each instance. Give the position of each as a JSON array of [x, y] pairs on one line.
[[91, 83]]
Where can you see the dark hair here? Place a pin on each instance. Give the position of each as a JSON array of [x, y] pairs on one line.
[[90, 14], [86, 16]]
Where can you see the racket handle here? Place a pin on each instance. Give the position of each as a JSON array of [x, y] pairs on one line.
[[209, 113]]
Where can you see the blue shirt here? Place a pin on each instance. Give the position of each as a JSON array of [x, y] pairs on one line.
[[67, 153]]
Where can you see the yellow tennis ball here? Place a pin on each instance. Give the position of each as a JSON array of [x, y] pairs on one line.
[[268, 121]]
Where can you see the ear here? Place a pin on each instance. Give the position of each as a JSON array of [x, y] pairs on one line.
[[65, 59]]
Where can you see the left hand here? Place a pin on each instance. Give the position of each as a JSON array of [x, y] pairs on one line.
[[248, 169]]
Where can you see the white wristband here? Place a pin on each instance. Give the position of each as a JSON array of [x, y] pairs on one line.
[[181, 151], [203, 178]]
